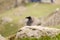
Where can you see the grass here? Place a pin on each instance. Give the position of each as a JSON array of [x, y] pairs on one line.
[[8, 29], [41, 10], [42, 38]]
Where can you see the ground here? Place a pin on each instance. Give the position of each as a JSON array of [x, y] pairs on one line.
[[35, 9]]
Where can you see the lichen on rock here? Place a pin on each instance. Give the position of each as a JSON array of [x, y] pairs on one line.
[[37, 31]]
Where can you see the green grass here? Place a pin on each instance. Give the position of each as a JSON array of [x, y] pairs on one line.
[[42, 38], [40, 10], [8, 29]]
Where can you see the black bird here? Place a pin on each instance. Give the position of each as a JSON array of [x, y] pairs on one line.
[[30, 21]]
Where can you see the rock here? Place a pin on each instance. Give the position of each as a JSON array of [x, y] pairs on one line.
[[2, 38], [36, 31], [57, 9], [53, 19], [6, 19]]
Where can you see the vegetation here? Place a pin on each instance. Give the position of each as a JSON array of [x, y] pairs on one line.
[[42, 38]]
